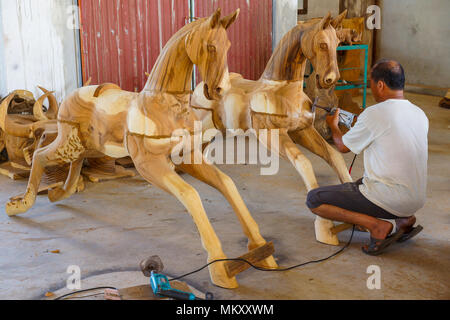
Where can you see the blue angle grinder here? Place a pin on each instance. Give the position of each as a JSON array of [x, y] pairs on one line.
[[152, 267], [345, 118]]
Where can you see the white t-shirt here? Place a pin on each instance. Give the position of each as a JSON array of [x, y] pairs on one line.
[[394, 137]]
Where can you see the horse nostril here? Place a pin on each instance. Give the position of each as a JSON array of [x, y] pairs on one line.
[[218, 90], [329, 81]]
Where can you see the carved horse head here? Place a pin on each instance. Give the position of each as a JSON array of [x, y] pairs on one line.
[[316, 41], [207, 46], [319, 47]]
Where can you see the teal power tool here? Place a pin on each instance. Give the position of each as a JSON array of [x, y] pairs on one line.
[[345, 118], [152, 267], [161, 288]]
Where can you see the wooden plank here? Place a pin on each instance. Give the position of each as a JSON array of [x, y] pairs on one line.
[[95, 175], [340, 228], [13, 173], [235, 267]]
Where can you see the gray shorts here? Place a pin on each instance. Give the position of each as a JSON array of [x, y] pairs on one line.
[[347, 196]]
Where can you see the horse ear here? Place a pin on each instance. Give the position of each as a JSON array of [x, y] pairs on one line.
[[325, 22], [229, 20], [215, 19], [337, 22]]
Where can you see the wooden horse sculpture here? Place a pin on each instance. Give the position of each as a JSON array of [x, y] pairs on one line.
[[25, 127], [277, 102], [103, 120]]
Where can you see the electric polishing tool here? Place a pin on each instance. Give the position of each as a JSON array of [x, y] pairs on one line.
[[345, 118], [152, 267]]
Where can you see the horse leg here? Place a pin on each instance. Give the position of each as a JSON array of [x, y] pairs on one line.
[[65, 148], [71, 184], [158, 170], [290, 150], [313, 141], [212, 176]]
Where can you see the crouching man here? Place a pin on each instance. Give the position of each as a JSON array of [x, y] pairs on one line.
[[393, 136]]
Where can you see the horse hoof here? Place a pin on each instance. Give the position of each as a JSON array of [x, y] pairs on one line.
[[17, 207], [323, 232], [56, 194], [219, 276], [267, 263]]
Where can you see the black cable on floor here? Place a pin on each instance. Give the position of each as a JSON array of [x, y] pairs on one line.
[[81, 291], [270, 270], [224, 260]]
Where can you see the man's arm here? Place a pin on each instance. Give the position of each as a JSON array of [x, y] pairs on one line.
[[333, 123]]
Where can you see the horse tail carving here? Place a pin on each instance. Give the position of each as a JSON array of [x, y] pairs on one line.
[[105, 87]]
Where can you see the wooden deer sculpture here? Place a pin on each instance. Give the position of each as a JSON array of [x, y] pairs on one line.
[[277, 102], [104, 120]]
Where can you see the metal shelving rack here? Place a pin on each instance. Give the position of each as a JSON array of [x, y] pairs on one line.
[[347, 86]]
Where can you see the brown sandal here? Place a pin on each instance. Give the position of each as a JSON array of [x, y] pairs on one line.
[[377, 246]]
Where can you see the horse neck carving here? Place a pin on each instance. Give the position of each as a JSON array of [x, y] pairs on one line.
[[316, 42], [288, 61], [173, 69]]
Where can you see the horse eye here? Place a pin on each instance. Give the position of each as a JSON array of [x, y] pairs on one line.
[[323, 46], [211, 48]]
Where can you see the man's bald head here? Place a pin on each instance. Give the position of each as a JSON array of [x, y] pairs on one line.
[[390, 72]]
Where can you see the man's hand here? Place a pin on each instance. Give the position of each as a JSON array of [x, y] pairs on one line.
[[333, 123], [333, 120]]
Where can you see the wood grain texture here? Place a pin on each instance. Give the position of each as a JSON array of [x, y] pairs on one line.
[[254, 256], [99, 121], [277, 102]]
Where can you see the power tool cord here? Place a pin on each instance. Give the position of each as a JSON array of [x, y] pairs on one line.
[[275, 270], [239, 259], [224, 260], [270, 270]]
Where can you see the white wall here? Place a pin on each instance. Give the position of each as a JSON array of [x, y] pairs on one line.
[[284, 18], [37, 47], [319, 8], [416, 33]]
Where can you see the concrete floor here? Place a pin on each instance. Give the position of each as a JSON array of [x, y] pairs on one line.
[[110, 227]]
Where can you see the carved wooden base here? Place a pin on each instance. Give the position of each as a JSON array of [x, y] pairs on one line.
[[223, 273], [98, 175], [125, 162], [12, 172], [255, 256]]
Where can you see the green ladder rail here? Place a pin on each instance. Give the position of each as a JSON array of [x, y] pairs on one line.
[[349, 86], [363, 85]]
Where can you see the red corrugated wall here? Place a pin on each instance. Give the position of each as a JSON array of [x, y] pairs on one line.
[[250, 35], [121, 39]]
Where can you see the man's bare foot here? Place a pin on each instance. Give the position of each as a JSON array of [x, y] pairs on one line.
[[405, 223], [381, 230]]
